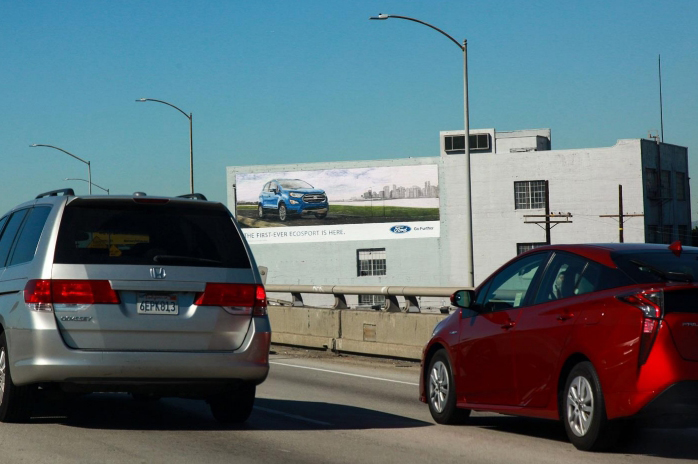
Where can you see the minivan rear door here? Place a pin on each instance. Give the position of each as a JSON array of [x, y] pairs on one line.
[[157, 256]]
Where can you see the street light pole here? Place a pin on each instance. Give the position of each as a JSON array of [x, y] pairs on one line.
[[469, 278], [191, 137], [84, 180], [89, 168]]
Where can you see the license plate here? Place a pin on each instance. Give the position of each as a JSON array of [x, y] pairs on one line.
[[148, 303]]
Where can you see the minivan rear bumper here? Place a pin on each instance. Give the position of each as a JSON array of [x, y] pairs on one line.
[[51, 361]]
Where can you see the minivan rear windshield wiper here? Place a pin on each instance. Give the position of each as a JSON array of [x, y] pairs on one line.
[[174, 259], [668, 276]]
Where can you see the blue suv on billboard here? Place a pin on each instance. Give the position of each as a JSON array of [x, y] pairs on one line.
[[292, 197]]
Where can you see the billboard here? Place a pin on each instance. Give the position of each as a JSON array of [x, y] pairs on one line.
[[385, 202]]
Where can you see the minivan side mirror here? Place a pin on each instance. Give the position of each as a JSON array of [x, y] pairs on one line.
[[463, 298]]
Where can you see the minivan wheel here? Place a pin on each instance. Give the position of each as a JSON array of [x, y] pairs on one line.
[[233, 407], [282, 212], [260, 212], [441, 392], [15, 402], [584, 411]]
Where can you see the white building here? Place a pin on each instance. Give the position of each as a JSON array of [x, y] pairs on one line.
[[509, 171]]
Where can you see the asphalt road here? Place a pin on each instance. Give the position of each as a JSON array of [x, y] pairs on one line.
[[311, 410]]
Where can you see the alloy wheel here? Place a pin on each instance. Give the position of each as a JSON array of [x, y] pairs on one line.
[[3, 374], [282, 212], [438, 386], [580, 406]]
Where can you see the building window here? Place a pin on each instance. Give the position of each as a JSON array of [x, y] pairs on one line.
[[523, 247], [529, 194], [371, 300], [370, 262], [652, 182], [477, 142], [667, 233], [666, 184], [684, 234], [680, 186], [652, 234]]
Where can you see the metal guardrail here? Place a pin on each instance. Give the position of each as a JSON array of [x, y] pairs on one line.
[[390, 292]]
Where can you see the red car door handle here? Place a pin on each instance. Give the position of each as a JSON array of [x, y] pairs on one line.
[[565, 316], [509, 325]]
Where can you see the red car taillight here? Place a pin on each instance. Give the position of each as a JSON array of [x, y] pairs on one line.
[[235, 296], [651, 303], [41, 294]]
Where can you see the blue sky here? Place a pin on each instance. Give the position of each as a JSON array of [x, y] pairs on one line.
[[307, 81]]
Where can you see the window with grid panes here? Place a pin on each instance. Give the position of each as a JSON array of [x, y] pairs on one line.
[[667, 233], [529, 194], [680, 186], [684, 234], [371, 262], [651, 181], [523, 247], [372, 300], [476, 141], [666, 184], [652, 234]]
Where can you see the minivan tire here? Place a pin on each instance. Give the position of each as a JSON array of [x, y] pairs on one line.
[[583, 411], [233, 407], [15, 401]]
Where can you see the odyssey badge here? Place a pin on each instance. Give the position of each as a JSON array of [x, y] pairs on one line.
[[400, 229]]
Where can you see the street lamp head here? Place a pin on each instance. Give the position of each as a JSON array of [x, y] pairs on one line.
[[33, 145], [142, 99], [380, 16]]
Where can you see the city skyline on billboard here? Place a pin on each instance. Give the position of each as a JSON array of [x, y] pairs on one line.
[[346, 184], [339, 204]]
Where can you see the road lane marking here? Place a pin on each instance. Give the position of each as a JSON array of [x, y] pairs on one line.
[[344, 373], [293, 416]]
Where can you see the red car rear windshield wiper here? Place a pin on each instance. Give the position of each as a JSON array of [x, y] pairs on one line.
[[668, 276]]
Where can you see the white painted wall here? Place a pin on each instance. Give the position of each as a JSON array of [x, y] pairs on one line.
[[583, 182]]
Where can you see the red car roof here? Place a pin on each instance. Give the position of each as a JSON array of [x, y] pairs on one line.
[[601, 252]]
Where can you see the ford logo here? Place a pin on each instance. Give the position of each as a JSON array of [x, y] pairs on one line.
[[400, 229]]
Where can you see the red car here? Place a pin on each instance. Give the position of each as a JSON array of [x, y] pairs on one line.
[[590, 335]]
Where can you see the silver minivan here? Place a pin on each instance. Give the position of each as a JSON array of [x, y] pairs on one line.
[[153, 296]]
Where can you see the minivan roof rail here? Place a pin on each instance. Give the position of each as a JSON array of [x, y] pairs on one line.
[[193, 196], [54, 193]]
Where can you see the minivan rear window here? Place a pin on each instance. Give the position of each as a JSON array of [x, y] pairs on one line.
[[125, 232]]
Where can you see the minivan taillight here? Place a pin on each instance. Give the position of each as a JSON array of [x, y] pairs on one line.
[[41, 294], [234, 296], [651, 303]]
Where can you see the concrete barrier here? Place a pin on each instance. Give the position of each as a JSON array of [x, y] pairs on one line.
[[310, 327], [400, 335]]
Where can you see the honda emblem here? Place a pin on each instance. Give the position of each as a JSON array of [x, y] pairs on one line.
[[157, 272]]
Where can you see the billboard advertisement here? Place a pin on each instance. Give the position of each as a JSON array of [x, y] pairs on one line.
[[385, 202]]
